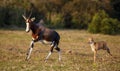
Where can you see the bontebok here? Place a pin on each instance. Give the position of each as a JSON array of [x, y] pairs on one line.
[[41, 34]]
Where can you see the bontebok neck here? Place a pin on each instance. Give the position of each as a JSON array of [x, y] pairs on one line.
[[34, 28]]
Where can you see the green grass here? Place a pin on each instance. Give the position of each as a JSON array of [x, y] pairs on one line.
[[14, 44]]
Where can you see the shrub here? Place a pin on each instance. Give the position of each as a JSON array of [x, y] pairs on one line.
[[110, 26], [94, 26], [106, 26], [102, 23]]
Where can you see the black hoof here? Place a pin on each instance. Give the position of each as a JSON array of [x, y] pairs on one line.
[[26, 59]]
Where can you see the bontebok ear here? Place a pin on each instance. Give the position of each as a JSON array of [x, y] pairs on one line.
[[32, 19], [24, 17]]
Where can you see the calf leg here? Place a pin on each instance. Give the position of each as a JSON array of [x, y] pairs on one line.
[[54, 45], [30, 50], [95, 53]]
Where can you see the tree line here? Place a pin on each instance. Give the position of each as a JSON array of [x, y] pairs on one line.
[[71, 14]]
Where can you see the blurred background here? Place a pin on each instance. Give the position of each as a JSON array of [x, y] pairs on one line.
[[95, 16]]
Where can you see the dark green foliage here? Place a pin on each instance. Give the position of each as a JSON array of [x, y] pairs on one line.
[[95, 25], [106, 26], [101, 23], [68, 20], [110, 26], [75, 14], [2, 16], [10, 16], [80, 12]]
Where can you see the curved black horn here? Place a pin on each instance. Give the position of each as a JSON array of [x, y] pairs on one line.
[[24, 15], [30, 14]]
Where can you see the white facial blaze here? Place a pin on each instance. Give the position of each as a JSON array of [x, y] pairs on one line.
[[27, 27]]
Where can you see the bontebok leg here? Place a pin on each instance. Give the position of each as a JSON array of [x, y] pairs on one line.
[[59, 55], [30, 50], [51, 50], [59, 52]]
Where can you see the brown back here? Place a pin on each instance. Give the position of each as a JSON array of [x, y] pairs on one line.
[[100, 45]]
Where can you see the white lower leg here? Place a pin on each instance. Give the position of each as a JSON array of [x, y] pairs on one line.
[[59, 55], [48, 55], [29, 53]]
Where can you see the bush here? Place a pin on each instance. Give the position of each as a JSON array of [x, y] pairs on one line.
[[94, 25], [101, 23], [106, 26], [110, 26]]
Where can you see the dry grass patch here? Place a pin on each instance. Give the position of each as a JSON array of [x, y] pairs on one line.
[[14, 44]]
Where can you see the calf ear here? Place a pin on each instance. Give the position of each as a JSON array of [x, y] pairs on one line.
[[32, 19]]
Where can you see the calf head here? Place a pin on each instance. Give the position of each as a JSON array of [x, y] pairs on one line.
[[90, 40]]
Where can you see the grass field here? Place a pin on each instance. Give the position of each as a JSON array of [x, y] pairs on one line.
[[14, 44]]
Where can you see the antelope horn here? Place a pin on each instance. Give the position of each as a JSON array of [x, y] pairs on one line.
[[24, 17], [30, 14]]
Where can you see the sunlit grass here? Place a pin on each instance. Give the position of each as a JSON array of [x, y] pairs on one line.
[[14, 44]]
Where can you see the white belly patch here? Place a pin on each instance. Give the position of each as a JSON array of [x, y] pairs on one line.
[[45, 42]]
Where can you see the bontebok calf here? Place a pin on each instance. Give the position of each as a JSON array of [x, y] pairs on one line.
[[42, 34], [95, 46]]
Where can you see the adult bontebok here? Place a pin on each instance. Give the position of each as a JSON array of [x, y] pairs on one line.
[[95, 46], [42, 34]]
